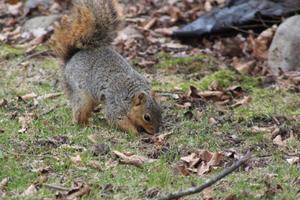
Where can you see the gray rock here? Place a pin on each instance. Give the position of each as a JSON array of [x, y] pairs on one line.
[[37, 25], [284, 52]]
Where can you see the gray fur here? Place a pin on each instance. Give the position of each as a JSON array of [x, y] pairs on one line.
[[104, 75]]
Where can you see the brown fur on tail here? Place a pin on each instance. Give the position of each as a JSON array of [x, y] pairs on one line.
[[92, 24]]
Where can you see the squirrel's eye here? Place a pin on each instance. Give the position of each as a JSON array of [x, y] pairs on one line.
[[147, 118]]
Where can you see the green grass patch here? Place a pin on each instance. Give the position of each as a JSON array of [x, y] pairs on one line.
[[7, 51]]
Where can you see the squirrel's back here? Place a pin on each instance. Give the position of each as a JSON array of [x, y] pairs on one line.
[[93, 71], [100, 70]]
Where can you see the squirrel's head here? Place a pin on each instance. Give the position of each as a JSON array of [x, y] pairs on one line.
[[145, 113]]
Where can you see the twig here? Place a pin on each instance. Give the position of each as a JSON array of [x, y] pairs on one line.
[[30, 56], [209, 182], [56, 187]]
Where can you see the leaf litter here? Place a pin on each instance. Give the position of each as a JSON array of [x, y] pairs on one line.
[[200, 162], [150, 25], [131, 159]]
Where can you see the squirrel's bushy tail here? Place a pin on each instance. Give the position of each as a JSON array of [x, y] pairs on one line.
[[91, 24]]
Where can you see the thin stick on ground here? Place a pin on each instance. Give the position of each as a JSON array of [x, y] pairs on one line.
[[209, 182], [56, 187], [30, 57]]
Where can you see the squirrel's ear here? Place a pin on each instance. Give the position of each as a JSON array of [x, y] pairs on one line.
[[138, 99]]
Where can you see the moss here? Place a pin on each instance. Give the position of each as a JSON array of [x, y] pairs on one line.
[[267, 103], [225, 77], [189, 63], [42, 48], [7, 51], [228, 78], [50, 63]]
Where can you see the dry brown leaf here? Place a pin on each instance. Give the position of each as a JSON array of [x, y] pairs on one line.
[[150, 24], [186, 105], [292, 159], [80, 190], [3, 185], [166, 31], [244, 67], [25, 120], [231, 197], [256, 129], [161, 139], [3, 102], [260, 45], [210, 94], [135, 160], [215, 86], [212, 121], [203, 168], [278, 140], [175, 14], [32, 189], [205, 155], [76, 159], [181, 169], [207, 6], [50, 96], [244, 101], [95, 165], [201, 161], [29, 96], [193, 159], [216, 159], [208, 194], [84, 189]]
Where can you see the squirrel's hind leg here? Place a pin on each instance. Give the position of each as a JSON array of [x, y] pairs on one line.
[[82, 106]]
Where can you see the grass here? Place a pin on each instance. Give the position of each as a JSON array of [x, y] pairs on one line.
[[22, 155]]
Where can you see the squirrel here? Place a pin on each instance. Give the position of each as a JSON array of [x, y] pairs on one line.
[[93, 72]]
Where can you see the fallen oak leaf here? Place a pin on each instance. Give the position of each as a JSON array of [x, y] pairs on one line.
[[292, 159], [160, 139], [150, 24], [78, 191], [201, 161], [181, 168], [212, 121], [50, 96], [25, 120], [95, 165], [270, 130], [166, 31], [134, 160], [203, 169], [28, 96], [186, 105], [210, 94], [76, 159], [245, 100], [3, 185], [32, 189], [216, 159], [278, 140], [208, 183], [3, 102], [215, 86], [244, 67], [192, 159], [205, 155], [207, 194], [83, 189]]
